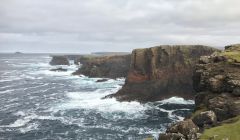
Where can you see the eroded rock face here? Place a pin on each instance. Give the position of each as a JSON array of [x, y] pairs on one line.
[[161, 72], [219, 72], [59, 60], [219, 83], [216, 80], [105, 66]]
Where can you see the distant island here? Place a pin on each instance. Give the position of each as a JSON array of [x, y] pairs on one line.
[[18, 53]]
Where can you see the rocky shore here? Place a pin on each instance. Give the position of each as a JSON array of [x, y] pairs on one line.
[[161, 72], [208, 75], [216, 80]]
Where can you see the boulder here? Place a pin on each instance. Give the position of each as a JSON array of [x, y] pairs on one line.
[[225, 106], [186, 128], [101, 80], [205, 119], [171, 136]]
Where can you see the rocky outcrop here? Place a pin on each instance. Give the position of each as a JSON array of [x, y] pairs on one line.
[[161, 72], [105, 66], [182, 130], [59, 60], [204, 119], [217, 82]]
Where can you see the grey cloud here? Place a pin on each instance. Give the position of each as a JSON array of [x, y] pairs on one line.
[[110, 25]]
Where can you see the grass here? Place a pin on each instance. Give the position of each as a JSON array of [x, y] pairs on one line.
[[228, 130], [234, 55], [198, 111]]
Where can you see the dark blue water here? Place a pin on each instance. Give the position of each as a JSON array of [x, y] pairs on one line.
[[36, 103]]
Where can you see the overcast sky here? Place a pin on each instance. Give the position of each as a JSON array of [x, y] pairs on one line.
[[82, 26]]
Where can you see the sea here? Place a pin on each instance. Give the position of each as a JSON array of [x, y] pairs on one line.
[[39, 104]]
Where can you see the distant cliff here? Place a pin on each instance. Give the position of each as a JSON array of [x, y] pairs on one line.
[[161, 72], [59, 60], [104, 66], [217, 113]]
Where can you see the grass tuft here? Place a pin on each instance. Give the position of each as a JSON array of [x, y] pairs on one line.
[[228, 130]]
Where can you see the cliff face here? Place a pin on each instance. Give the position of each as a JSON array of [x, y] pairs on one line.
[[217, 81], [217, 114], [59, 60], [105, 66], [161, 72]]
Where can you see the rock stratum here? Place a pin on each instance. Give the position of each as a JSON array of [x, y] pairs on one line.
[[161, 72], [217, 103], [104, 66]]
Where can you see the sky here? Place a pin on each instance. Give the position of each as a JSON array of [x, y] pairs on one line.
[[83, 26]]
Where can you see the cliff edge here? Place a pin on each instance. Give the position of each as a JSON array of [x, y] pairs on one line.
[[161, 72], [217, 103]]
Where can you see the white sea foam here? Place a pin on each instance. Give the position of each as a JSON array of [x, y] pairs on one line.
[[20, 113], [176, 100], [7, 91], [93, 101], [21, 121], [29, 127]]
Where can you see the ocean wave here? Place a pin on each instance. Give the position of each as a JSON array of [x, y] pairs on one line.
[[7, 91], [29, 127], [109, 106], [176, 100]]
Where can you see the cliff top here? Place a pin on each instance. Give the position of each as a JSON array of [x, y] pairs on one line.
[[182, 47]]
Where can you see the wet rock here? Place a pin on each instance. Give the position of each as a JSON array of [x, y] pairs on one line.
[[205, 119], [59, 69], [102, 80], [59, 60]]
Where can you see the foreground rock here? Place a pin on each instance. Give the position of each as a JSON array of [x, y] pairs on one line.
[[105, 66], [217, 81], [161, 72], [204, 119], [59, 60]]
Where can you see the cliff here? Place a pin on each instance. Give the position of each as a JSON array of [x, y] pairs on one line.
[[59, 60], [105, 66], [216, 80], [161, 72]]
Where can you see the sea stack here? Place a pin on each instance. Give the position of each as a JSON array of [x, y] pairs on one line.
[[161, 72], [59, 60]]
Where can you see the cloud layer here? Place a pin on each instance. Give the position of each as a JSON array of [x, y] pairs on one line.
[[83, 26]]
